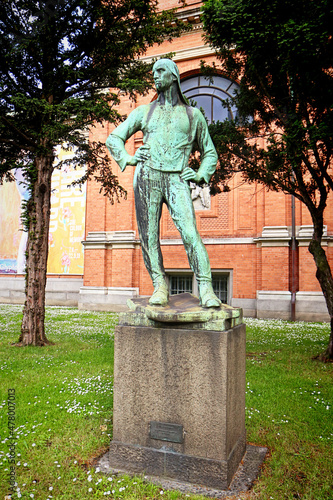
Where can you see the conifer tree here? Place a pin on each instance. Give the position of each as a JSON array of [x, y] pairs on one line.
[[58, 60]]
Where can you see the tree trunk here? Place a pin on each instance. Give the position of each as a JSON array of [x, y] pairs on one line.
[[324, 276], [39, 206]]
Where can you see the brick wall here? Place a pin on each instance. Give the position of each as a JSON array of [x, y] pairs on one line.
[[238, 216]]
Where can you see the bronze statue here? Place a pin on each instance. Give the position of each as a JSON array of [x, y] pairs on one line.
[[170, 128]]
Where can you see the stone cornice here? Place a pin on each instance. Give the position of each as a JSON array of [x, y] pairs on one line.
[[184, 54], [272, 236], [97, 240], [126, 239], [280, 236], [192, 16], [213, 241]]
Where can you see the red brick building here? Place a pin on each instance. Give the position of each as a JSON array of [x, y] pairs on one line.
[[247, 232]]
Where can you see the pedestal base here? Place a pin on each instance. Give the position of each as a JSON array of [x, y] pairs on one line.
[[179, 403], [168, 464], [248, 472]]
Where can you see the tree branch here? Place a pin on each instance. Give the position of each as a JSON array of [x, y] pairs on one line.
[[19, 132]]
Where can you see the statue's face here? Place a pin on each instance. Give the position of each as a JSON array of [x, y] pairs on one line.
[[163, 77]]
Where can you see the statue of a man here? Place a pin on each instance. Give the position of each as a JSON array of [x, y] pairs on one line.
[[170, 128]]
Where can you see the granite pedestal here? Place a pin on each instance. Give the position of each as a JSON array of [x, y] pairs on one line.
[[179, 396]]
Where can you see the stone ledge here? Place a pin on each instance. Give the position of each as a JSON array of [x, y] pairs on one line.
[[97, 240], [167, 463], [62, 291], [247, 472], [182, 311], [102, 294]]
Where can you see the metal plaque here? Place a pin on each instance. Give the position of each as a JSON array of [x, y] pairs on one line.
[[166, 432]]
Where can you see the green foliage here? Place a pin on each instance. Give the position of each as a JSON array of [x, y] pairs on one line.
[[58, 60], [281, 52]]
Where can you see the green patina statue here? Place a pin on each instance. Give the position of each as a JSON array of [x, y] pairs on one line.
[[170, 128]]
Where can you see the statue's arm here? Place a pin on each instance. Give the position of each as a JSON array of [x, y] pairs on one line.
[[117, 139], [116, 146]]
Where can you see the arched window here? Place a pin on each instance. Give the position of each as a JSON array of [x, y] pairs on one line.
[[209, 94]]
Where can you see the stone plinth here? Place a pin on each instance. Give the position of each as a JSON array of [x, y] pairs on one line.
[[179, 402], [182, 311]]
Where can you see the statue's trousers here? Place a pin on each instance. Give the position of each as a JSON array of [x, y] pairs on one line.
[[152, 188]]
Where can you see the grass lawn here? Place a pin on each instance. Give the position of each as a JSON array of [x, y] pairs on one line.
[[63, 410]]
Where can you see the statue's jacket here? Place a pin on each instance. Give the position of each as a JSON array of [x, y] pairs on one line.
[[171, 132]]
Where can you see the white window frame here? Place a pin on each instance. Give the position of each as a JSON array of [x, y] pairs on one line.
[[229, 274], [216, 88], [181, 272], [195, 289]]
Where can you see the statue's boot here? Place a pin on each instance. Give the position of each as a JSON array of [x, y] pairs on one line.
[[160, 296], [207, 295]]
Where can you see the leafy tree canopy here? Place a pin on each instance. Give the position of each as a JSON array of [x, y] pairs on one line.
[[281, 53]]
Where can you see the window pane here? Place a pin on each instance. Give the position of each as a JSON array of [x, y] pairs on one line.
[[209, 94], [220, 113], [220, 287], [204, 102], [180, 284], [205, 81], [190, 83]]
